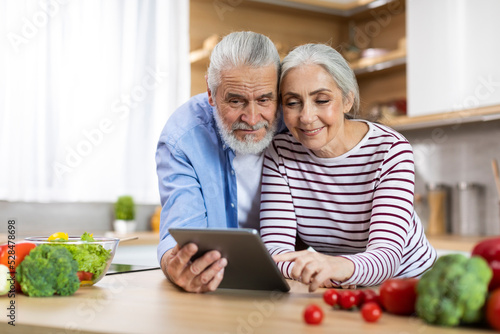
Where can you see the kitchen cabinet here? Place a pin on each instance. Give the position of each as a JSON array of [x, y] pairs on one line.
[[393, 76], [381, 75], [377, 24], [287, 27], [452, 58]]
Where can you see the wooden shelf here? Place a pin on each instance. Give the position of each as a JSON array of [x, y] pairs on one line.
[[203, 54], [343, 9], [389, 60], [199, 55], [483, 114]]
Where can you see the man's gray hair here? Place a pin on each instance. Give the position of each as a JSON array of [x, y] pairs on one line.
[[332, 61], [243, 48]]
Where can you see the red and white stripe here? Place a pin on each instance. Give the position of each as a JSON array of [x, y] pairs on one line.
[[358, 205]]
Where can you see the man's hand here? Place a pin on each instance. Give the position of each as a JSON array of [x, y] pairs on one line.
[[202, 275], [314, 269]]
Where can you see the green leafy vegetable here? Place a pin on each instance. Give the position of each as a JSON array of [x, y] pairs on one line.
[[90, 257], [48, 270], [454, 290]]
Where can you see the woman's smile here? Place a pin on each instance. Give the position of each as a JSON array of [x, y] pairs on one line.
[[312, 132]]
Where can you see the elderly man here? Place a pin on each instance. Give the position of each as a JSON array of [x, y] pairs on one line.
[[209, 156]]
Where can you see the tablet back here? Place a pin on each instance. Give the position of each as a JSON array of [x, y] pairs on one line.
[[250, 266]]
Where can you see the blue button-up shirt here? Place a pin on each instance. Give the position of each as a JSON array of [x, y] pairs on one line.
[[194, 166]]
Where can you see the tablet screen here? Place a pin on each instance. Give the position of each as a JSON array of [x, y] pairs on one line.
[[250, 266]]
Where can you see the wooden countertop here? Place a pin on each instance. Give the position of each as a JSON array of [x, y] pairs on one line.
[[145, 302]]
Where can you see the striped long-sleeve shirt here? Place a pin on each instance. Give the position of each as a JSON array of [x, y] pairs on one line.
[[358, 205]]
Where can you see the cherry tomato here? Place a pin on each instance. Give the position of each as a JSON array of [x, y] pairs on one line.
[[347, 299], [313, 314], [372, 296], [12, 256], [360, 297], [493, 309], [371, 312], [331, 297], [398, 295], [84, 275]]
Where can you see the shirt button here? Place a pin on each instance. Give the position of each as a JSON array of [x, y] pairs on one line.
[[232, 171], [232, 205]]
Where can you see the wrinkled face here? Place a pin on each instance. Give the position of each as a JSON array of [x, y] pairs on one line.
[[313, 109], [246, 104]]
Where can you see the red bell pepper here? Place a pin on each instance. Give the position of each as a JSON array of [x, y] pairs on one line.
[[489, 249]]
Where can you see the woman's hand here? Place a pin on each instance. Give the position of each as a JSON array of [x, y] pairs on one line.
[[315, 268]]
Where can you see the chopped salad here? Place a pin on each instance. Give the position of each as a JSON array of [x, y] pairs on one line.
[[92, 258]]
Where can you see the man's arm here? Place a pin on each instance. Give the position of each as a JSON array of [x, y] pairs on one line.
[[183, 205]]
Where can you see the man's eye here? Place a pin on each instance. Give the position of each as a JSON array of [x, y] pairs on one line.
[[264, 100], [234, 101]]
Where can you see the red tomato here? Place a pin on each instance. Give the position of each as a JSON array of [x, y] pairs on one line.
[[313, 314], [84, 275], [371, 312], [372, 296], [489, 249], [12, 256], [360, 297], [398, 295], [493, 309], [331, 297], [347, 299]]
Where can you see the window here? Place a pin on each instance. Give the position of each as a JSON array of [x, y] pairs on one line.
[[85, 90]]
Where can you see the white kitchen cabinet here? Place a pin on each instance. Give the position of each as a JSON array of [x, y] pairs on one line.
[[453, 55]]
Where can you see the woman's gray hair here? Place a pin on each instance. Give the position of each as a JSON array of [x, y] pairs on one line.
[[243, 48], [332, 61]]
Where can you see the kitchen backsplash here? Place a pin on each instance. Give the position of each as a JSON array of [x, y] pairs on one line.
[[459, 153]]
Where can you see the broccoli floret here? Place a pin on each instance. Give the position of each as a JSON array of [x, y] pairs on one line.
[[48, 270], [454, 290]]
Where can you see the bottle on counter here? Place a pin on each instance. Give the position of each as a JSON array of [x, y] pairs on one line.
[[438, 197]]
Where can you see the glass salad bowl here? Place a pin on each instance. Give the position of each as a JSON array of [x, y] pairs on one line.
[[93, 254]]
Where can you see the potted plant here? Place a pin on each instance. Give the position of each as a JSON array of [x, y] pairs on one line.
[[124, 215]]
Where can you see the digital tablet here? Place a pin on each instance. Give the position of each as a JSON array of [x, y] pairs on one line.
[[249, 264]]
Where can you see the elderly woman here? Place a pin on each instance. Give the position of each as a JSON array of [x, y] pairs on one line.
[[344, 185]]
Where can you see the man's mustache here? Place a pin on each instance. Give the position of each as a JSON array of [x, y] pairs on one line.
[[246, 126]]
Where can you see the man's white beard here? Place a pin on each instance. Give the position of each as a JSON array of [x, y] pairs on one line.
[[248, 145]]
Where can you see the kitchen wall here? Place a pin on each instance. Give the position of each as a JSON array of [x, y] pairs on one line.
[[456, 153], [73, 218]]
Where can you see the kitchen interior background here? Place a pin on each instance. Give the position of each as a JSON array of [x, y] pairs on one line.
[[447, 150]]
